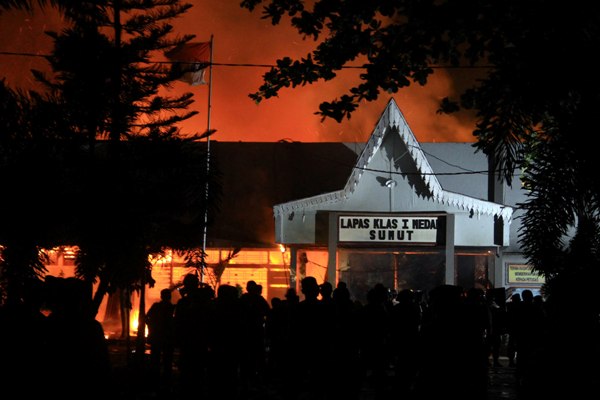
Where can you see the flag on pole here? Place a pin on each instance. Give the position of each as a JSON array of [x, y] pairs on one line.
[[190, 61]]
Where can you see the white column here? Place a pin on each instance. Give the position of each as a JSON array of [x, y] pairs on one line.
[[450, 267], [332, 248]]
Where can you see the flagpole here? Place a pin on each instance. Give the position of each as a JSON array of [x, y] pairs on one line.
[[207, 159]]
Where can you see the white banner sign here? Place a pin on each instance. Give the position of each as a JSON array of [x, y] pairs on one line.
[[401, 229]]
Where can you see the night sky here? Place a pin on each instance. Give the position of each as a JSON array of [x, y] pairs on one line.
[[241, 37]]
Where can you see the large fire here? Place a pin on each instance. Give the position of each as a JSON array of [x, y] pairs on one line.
[[168, 270], [243, 40]]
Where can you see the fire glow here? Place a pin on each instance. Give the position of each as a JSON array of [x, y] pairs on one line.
[[243, 41]]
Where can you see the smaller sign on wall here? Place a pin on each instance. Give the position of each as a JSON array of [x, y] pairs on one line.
[[388, 229], [522, 274]]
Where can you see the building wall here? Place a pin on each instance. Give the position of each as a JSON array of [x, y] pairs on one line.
[[392, 176]]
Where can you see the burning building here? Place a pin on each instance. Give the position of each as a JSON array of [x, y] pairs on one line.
[[394, 211]]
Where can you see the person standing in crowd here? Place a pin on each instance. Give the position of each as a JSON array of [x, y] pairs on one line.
[[374, 338], [280, 339], [22, 340], [530, 333], [311, 329], [255, 310], [441, 338], [512, 310], [475, 321], [78, 363], [496, 304], [191, 332], [161, 337], [326, 292], [225, 333], [345, 359], [405, 327]]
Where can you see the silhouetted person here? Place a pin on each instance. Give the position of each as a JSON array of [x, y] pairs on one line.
[[374, 338], [440, 352], [311, 330], [255, 309], [498, 327], [326, 292], [345, 349], [529, 334], [341, 294], [512, 308], [191, 332], [225, 342], [276, 331], [160, 320], [291, 297], [475, 324], [283, 363], [405, 325], [22, 342], [78, 358]]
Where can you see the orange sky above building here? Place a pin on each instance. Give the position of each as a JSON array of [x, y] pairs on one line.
[[242, 37]]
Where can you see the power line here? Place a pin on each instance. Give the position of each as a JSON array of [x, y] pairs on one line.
[[466, 172], [254, 65], [13, 53]]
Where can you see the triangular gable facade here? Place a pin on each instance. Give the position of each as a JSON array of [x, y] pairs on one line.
[[392, 175]]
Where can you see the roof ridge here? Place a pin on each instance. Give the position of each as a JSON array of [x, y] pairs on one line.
[[391, 118]]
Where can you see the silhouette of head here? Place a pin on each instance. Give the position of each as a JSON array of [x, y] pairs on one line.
[[67, 295], [251, 287], [165, 294], [405, 296], [291, 295], [310, 287], [326, 290], [227, 293], [190, 283], [341, 292]]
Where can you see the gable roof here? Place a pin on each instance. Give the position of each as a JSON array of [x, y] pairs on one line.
[[393, 122]]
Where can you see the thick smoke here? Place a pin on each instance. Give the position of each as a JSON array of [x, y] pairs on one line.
[[241, 37]]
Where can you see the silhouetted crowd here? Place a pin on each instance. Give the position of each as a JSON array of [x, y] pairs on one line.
[[233, 344], [330, 346]]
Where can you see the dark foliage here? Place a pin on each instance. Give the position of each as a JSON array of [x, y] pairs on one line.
[[98, 160], [534, 106]]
